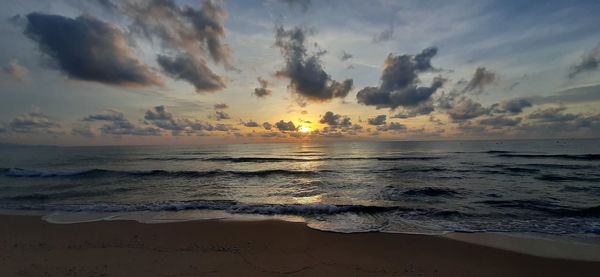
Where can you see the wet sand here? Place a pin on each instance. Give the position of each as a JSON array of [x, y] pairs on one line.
[[30, 246]]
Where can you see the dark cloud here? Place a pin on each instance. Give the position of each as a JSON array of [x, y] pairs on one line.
[[86, 48], [514, 106], [345, 56], [501, 121], [15, 71], [335, 120], [378, 120], [195, 71], [307, 77], [82, 131], [117, 124], [422, 109], [161, 118], [191, 33], [221, 115], [107, 115], [553, 121], [589, 62], [285, 126], [384, 35], [513, 85], [272, 135], [126, 128], [467, 109], [553, 114], [392, 126], [481, 78], [195, 126], [262, 91], [251, 124], [400, 82], [267, 126], [221, 106], [34, 122]]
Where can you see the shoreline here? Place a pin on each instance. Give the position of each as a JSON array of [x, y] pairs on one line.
[[535, 244], [30, 246]]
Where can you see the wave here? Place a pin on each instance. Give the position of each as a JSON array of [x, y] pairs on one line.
[[19, 172], [406, 170], [483, 152], [509, 169], [224, 205], [25, 173], [595, 190], [432, 192], [277, 159], [563, 178], [584, 157], [65, 195], [172, 159], [563, 166], [546, 207]]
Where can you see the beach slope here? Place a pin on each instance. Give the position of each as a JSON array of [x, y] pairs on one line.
[[31, 247]]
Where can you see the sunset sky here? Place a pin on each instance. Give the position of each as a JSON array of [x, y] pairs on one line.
[[167, 72]]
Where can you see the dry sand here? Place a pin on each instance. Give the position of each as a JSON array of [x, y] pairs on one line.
[[30, 246]]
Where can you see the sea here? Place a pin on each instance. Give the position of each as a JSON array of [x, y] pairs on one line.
[[546, 187]]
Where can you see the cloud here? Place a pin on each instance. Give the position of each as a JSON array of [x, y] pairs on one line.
[[589, 62], [158, 119], [262, 91], [585, 93], [267, 126], [345, 56], [83, 131], [221, 115], [422, 109], [501, 121], [552, 121], [221, 106], [285, 126], [307, 77], [34, 122], [335, 120], [251, 124], [553, 114], [126, 128], [385, 35], [161, 118], [88, 49], [514, 106], [106, 115], [117, 124], [302, 4], [400, 83], [192, 34], [15, 71], [392, 126], [467, 109], [481, 78], [378, 120], [195, 71]]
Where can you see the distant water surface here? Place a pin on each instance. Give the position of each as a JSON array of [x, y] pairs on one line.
[[531, 186]]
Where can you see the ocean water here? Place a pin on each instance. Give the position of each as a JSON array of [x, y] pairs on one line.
[[530, 186]]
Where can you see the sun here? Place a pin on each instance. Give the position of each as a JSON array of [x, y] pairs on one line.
[[304, 129]]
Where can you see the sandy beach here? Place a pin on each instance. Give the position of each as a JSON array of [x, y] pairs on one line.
[[30, 246]]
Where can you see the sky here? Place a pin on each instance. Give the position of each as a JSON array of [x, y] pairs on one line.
[[103, 72]]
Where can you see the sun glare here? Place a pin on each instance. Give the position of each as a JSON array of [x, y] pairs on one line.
[[304, 129]]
